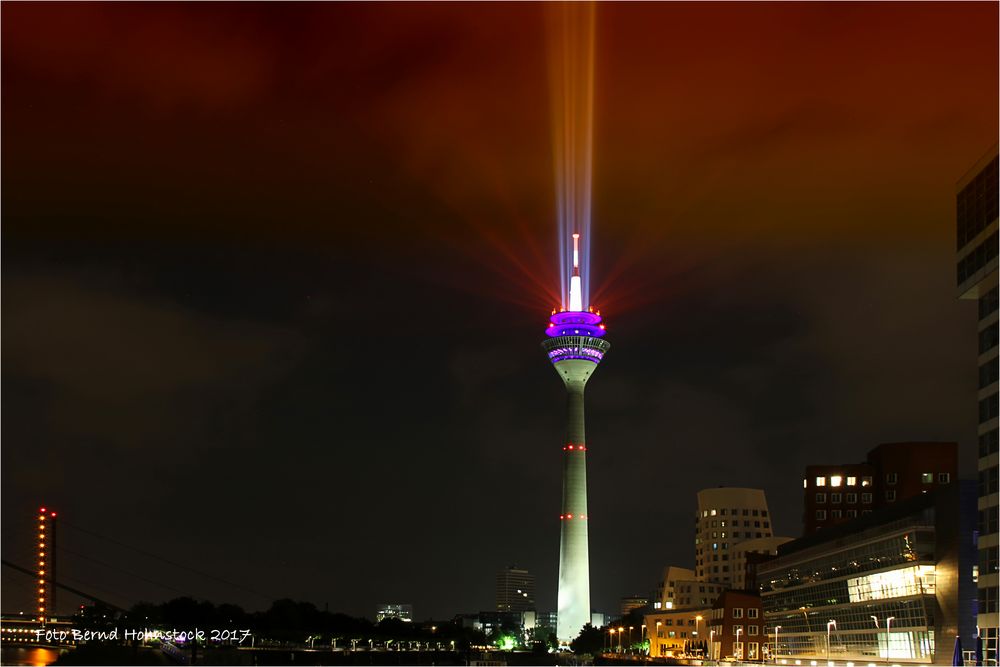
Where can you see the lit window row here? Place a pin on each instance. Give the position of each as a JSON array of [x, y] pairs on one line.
[[563, 517], [839, 480]]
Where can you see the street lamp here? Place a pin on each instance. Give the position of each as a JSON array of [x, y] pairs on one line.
[[620, 631], [630, 628], [642, 635], [711, 644], [658, 624], [829, 625], [739, 631], [776, 628], [888, 637], [875, 618]]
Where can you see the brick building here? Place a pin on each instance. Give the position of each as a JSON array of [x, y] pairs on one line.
[[893, 471], [736, 627]]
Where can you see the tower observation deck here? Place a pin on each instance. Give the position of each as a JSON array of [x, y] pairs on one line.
[[575, 345]]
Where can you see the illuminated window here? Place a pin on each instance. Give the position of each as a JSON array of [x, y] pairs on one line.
[[852, 481], [712, 512], [927, 478], [904, 582], [866, 481], [821, 481], [805, 484], [835, 480]]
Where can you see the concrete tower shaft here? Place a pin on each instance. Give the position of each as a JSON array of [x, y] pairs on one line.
[[574, 537], [575, 358]]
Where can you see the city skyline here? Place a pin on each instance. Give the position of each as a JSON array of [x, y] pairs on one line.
[[218, 232]]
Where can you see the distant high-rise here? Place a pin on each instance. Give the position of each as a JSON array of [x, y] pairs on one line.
[[575, 345], [727, 516], [515, 590], [976, 217], [386, 610], [893, 472]]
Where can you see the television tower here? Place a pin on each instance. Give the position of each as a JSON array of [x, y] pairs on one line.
[[575, 346]]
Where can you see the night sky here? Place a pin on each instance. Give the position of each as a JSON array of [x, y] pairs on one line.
[[275, 279]]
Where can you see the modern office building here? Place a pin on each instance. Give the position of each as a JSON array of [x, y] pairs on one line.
[[736, 627], [403, 612], [976, 217], [575, 345], [893, 471], [896, 584], [726, 517], [515, 589], [547, 619], [677, 632], [746, 556]]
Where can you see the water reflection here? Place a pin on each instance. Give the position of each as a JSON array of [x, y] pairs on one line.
[[29, 656]]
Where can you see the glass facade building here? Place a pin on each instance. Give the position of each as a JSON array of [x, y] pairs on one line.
[[976, 203], [831, 595]]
